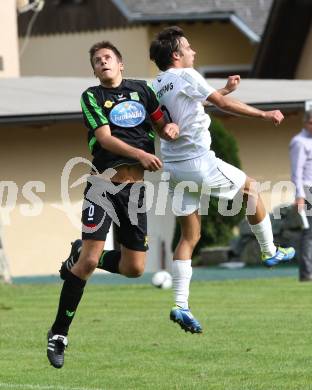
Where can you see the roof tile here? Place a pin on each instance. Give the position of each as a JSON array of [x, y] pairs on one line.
[[254, 13]]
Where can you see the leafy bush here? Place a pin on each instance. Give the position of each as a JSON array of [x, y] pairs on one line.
[[217, 229]]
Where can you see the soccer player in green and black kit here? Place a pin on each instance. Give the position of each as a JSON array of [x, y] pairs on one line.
[[119, 115]]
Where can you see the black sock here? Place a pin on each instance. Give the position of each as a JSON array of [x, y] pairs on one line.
[[109, 261], [69, 300]]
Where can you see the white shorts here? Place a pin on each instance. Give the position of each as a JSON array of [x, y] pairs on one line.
[[192, 181]]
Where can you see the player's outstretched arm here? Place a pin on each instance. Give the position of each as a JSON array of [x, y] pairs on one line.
[[107, 141], [236, 107], [231, 85]]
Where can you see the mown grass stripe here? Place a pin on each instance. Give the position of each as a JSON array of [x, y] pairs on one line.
[[44, 387]]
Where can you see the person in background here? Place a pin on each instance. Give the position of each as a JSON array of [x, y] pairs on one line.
[[300, 151]]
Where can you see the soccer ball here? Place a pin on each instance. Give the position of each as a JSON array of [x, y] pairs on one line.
[[162, 279]]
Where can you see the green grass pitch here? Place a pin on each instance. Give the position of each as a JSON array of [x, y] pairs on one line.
[[257, 335]]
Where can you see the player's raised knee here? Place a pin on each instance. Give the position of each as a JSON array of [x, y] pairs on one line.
[[89, 263], [134, 271], [192, 239], [197, 237]]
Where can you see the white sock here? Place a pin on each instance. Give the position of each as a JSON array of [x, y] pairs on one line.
[[181, 278], [264, 236]]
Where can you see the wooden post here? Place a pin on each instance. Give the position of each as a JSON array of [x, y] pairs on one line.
[[4, 266], [163, 255]]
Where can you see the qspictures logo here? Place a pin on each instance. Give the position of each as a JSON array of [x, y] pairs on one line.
[[156, 199]]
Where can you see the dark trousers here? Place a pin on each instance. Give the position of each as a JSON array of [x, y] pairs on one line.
[[305, 261]]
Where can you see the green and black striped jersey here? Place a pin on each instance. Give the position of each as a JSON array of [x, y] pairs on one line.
[[129, 111]]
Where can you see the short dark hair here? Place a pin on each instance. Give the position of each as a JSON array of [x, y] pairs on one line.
[[164, 45], [104, 45]]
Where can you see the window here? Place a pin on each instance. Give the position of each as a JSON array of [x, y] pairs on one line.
[[69, 2], [223, 71]]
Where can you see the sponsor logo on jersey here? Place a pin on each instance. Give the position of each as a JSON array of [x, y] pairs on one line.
[[121, 97], [108, 104], [134, 96], [166, 88], [127, 114]]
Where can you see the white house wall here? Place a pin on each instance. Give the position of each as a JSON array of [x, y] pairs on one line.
[[8, 39], [68, 54], [37, 230]]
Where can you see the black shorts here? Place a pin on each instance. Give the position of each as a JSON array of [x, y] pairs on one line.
[[123, 204]]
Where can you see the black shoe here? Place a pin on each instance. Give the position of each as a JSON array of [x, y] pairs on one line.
[[55, 350], [72, 259]]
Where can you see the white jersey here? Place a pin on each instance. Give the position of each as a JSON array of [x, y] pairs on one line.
[[181, 92]]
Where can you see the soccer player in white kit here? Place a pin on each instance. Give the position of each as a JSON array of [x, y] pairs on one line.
[[183, 93]]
